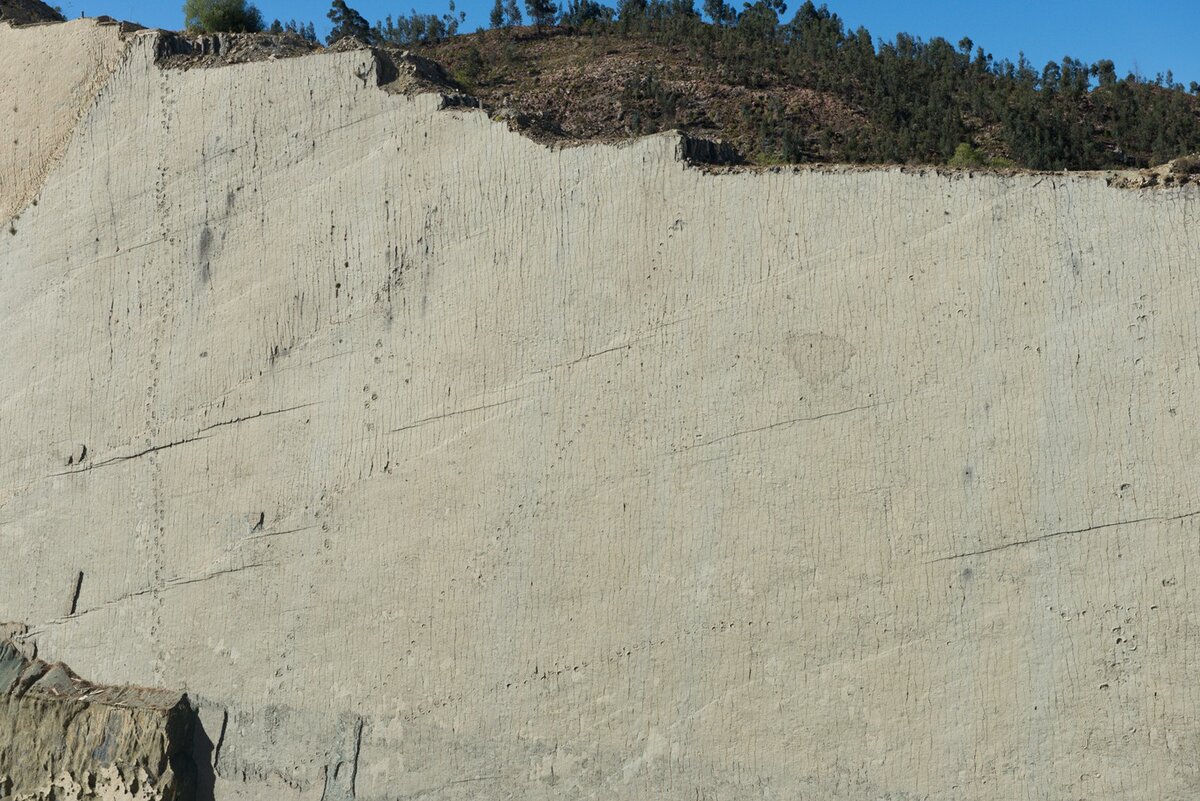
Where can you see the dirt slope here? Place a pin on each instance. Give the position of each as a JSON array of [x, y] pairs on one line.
[[25, 12], [606, 88]]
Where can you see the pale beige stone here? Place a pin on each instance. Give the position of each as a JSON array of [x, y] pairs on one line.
[[435, 463], [51, 75]]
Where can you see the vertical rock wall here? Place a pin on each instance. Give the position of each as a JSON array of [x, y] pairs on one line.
[[51, 75], [434, 463]]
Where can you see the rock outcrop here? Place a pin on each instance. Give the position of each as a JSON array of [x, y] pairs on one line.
[[65, 738], [436, 463], [28, 12]]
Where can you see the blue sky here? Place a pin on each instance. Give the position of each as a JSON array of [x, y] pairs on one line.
[[1151, 36]]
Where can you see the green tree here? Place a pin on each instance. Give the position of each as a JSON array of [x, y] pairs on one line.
[[586, 12], [497, 16], [415, 28], [630, 12], [1105, 71], [305, 32], [541, 12], [905, 100], [222, 16], [347, 22], [720, 12], [760, 20]]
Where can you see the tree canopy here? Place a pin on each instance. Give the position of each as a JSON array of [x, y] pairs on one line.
[[222, 16], [913, 101], [347, 22], [919, 101]]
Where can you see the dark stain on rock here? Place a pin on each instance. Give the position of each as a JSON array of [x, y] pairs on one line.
[[76, 589], [205, 248]]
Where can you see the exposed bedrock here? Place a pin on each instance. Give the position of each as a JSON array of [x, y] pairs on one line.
[[65, 738], [432, 462]]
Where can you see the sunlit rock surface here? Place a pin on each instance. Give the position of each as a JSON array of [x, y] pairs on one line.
[[435, 463]]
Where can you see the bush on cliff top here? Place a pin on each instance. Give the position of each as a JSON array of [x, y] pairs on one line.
[[222, 16]]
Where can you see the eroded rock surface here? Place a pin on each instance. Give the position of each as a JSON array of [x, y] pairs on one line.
[[439, 464], [51, 74], [65, 738]]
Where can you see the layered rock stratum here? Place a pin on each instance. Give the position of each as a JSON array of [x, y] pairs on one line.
[[432, 462], [65, 738]]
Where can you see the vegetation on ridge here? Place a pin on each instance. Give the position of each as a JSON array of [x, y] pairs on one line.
[[27, 12], [222, 15], [795, 90]]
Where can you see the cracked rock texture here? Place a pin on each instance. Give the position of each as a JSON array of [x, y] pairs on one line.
[[435, 463], [64, 738]]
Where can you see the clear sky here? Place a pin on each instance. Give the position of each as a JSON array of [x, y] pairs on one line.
[[1150, 36]]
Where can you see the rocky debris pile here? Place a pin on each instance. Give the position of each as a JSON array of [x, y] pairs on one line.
[[64, 737], [403, 72], [1182, 171], [398, 71], [714, 152], [28, 12], [188, 50]]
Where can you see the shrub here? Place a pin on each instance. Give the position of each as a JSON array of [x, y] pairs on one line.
[[583, 12], [541, 12], [222, 16], [966, 156]]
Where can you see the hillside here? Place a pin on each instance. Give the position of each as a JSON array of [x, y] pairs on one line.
[[811, 91], [781, 90], [27, 12]]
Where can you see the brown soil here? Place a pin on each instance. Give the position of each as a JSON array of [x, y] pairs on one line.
[[605, 87], [28, 12]]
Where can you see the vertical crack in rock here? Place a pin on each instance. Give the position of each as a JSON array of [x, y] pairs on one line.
[[358, 732], [341, 773], [77, 588], [216, 759]]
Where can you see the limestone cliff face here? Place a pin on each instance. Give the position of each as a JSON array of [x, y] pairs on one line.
[[435, 463]]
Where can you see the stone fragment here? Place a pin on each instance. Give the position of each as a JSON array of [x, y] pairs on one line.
[[64, 737]]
